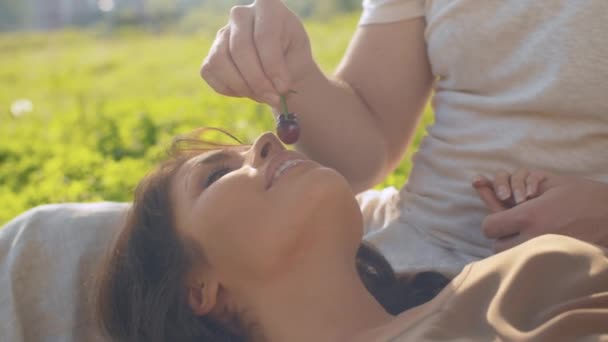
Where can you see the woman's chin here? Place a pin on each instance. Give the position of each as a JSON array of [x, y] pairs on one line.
[[318, 196], [315, 211], [325, 183], [327, 193]]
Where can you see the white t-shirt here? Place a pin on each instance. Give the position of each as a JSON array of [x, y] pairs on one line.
[[520, 83]]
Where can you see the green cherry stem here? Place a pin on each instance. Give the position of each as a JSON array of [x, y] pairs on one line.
[[284, 104], [287, 126]]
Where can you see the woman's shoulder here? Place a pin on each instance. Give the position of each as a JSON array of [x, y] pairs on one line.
[[538, 284], [545, 252]]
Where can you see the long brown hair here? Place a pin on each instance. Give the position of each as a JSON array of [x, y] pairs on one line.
[[141, 295]]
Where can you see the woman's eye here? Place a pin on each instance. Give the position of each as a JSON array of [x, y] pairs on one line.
[[215, 175]]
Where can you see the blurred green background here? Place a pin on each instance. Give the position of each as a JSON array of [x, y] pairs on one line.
[[89, 102]]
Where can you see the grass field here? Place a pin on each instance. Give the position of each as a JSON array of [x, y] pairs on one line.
[[104, 107]]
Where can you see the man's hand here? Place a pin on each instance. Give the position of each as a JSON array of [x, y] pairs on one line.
[[262, 50], [527, 204]]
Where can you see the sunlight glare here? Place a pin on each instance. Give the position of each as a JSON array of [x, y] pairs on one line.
[[105, 5], [21, 106]]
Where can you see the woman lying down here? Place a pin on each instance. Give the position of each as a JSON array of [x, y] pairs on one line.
[[258, 243]]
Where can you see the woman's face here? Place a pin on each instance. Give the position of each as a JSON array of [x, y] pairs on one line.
[[256, 210]]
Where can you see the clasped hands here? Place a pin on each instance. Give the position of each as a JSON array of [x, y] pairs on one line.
[[529, 203]]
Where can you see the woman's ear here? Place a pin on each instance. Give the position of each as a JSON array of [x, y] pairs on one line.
[[202, 297]]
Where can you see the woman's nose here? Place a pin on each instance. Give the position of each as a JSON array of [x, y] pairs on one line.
[[264, 147]]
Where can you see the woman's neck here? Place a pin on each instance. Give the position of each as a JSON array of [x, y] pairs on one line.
[[327, 303]]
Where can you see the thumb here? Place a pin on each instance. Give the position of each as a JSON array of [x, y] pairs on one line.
[[508, 222]]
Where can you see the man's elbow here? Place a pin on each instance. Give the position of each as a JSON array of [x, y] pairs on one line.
[[371, 171]]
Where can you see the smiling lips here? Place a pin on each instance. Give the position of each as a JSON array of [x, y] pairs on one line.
[[281, 163]]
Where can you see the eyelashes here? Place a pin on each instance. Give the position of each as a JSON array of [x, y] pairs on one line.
[[217, 173]]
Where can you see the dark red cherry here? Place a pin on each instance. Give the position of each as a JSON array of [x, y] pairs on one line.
[[288, 128]]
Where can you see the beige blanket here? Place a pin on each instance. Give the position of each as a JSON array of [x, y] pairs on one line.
[[48, 258]]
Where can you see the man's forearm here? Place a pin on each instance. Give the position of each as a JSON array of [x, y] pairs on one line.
[[361, 121], [338, 130]]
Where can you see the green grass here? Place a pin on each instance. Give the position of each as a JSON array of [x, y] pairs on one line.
[[105, 107]]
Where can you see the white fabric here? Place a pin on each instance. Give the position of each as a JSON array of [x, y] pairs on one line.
[[521, 83], [384, 11], [49, 257]]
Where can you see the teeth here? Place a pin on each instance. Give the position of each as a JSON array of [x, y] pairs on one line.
[[284, 167]]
